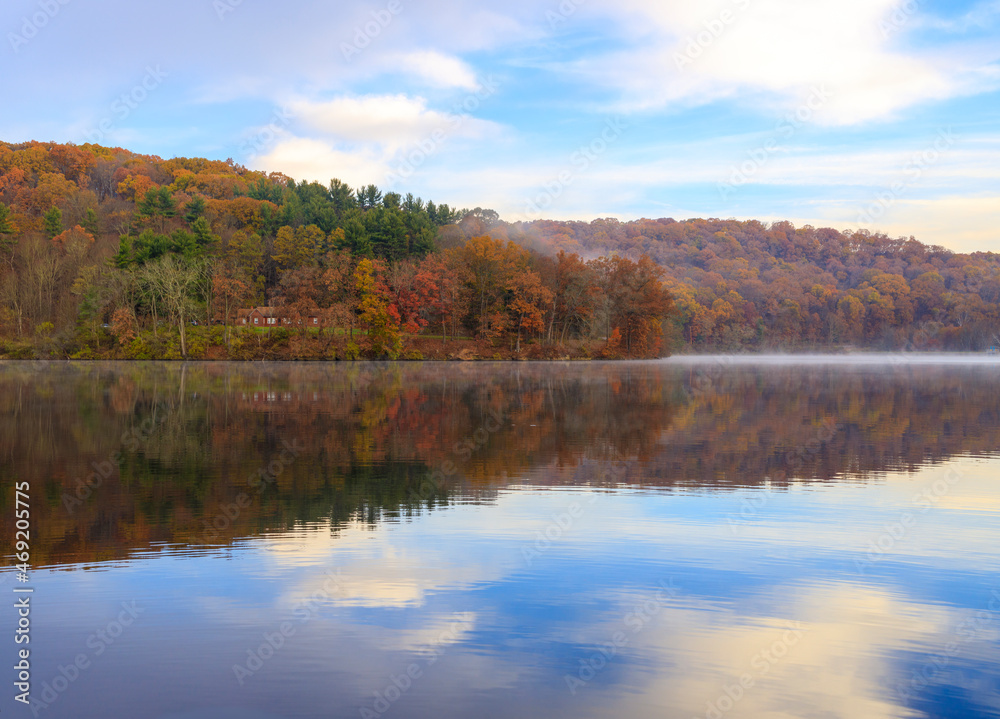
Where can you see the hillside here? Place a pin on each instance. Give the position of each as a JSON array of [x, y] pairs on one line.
[[107, 253], [749, 283]]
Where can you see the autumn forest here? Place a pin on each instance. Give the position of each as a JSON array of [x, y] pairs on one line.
[[105, 253]]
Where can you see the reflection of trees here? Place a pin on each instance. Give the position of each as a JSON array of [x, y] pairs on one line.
[[787, 423], [191, 435]]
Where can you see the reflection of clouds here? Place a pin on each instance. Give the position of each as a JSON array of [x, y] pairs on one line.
[[841, 666], [966, 476], [435, 634], [972, 503], [948, 528], [400, 565], [375, 568], [422, 575], [317, 573]]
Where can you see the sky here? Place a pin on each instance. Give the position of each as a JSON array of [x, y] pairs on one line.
[[877, 114]]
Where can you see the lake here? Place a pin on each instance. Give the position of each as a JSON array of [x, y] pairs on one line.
[[700, 537]]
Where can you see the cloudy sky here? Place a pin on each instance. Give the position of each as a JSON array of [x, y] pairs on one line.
[[874, 113]]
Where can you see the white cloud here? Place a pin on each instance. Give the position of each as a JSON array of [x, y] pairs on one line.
[[438, 69], [391, 121], [363, 139], [946, 159], [311, 159], [774, 53]]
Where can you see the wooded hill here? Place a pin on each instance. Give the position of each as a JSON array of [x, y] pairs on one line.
[[107, 253], [750, 284]]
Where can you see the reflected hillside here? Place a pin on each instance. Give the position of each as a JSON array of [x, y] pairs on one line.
[[744, 425], [348, 441], [203, 454]]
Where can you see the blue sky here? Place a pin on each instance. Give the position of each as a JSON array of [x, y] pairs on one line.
[[882, 114]]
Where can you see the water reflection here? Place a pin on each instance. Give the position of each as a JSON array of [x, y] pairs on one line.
[[826, 545], [129, 456]]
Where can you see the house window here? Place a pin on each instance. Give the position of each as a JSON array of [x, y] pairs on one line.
[[315, 320], [255, 320], [270, 320]]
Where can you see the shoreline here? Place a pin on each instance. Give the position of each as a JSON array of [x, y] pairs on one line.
[[216, 344], [719, 359]]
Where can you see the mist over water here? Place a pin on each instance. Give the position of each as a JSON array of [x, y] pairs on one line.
[[886, 359], [727, 536]]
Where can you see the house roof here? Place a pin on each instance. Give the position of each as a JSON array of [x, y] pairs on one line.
[[264, 311]]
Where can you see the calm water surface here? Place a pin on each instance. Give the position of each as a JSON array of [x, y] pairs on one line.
[[700, 537]]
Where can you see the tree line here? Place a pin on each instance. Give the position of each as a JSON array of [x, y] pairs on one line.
[[103, 245]]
